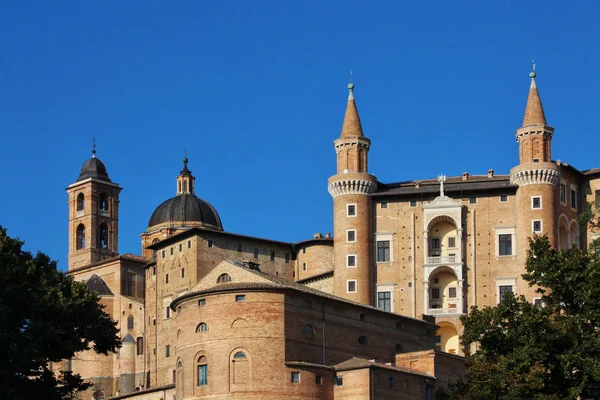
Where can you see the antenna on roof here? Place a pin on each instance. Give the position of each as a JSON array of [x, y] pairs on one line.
[[94, 147]]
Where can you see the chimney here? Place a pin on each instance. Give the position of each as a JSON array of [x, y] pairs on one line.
[[318, 235], [465, 176], [328, 235], [490, 173]]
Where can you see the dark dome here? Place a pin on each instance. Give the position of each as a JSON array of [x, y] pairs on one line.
[[93, 168], [186, 208]]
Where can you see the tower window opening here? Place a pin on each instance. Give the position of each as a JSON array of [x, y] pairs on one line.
[[202, 371], [80, 240], [103, 237], [185, 186], [103, 202], [80, 202]]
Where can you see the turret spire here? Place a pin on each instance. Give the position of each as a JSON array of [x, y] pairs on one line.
[[185, 180], [351, 127], [534, 112]]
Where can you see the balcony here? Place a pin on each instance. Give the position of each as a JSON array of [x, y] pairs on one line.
[[442, 260], [444, 312]]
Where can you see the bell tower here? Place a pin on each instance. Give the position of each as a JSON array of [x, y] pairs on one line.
[[536, 175], [93, 215], [352, 211]]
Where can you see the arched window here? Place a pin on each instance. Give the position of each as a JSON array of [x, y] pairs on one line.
[[154, 252], [80, 240], [130, 322], [103, 202], [202, 327], [103, 236], [224, 278], [80, 202], [202, 368], [239, 370], [308, 330]]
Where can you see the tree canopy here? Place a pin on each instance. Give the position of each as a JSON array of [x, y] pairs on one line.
[[45, 317], [526, 351]]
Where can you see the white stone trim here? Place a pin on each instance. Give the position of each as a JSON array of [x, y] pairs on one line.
[[348, 262], [505, 231], [505, 282], [355, 286], [347, 232], [533, 225], [381, 236], [535, 176], [541, 207], [352, 186], [386, 288]]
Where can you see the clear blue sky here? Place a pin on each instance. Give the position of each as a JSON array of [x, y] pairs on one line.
[[256, 90]]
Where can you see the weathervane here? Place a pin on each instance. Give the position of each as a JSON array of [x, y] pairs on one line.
[[351, 76], [94, 147], [441, 180]]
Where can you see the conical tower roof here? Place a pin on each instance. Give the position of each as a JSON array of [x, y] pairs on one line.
[[352, 127], [534, 112]]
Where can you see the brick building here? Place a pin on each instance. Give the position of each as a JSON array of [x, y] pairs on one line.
[[370, 312]]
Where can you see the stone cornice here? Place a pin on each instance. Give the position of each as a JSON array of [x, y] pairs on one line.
[[534, 174], [345, 142], [352, 186], [534, 130]]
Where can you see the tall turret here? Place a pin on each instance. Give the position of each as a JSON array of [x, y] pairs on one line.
[[353, 227], [536, 174]]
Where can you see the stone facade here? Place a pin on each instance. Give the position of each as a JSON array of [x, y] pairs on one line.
[[372, 312]]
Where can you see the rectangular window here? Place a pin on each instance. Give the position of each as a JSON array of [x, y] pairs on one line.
[[536, 226], [167, 278], [272, 255], [240, 297], [201, 302], [163, 254], [574, 199], [452, 242], [503, 198], [167, 351], [435, 293], [504, 289], [140, 346], [505, 245], [383, 251], [563, 193], [536, 202], [183, 272], [295, 377], [171, 250], [202, 375], [383, 204], [287, 257], [304, 250], [180, 247], [351, 210], [339, 380], [303, 266], [319, 379], [351, 286], [153, 270], [537, 301], [210, 243], [472, 200], [168, 312], [435, 246], [391, 381], [255, 252], [384, 301], [351, 235], [413, 203], [189, 244], [351, 261], [452, 292]]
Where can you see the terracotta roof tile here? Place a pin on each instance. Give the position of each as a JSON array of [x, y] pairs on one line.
[[534, 112]]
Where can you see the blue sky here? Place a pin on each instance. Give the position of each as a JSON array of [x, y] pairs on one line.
[[256, 91]]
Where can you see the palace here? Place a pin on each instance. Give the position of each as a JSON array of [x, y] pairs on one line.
[[371, 311]]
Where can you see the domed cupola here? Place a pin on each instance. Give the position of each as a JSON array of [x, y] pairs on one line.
[[185, 210], [93, 168]]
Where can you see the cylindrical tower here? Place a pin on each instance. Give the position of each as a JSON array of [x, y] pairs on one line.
[[536, 175], [352, 211]]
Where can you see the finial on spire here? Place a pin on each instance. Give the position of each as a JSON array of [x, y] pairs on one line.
[[351, 88], [532, 74], [441, 180], [94, 147], [185, 159]]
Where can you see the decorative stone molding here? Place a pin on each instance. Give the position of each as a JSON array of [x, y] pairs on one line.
[[535, 176], [535, 130], [352, 186], [359, 142]]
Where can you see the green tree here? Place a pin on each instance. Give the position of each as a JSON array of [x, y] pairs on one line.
[[533, 352], [45, 316]]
